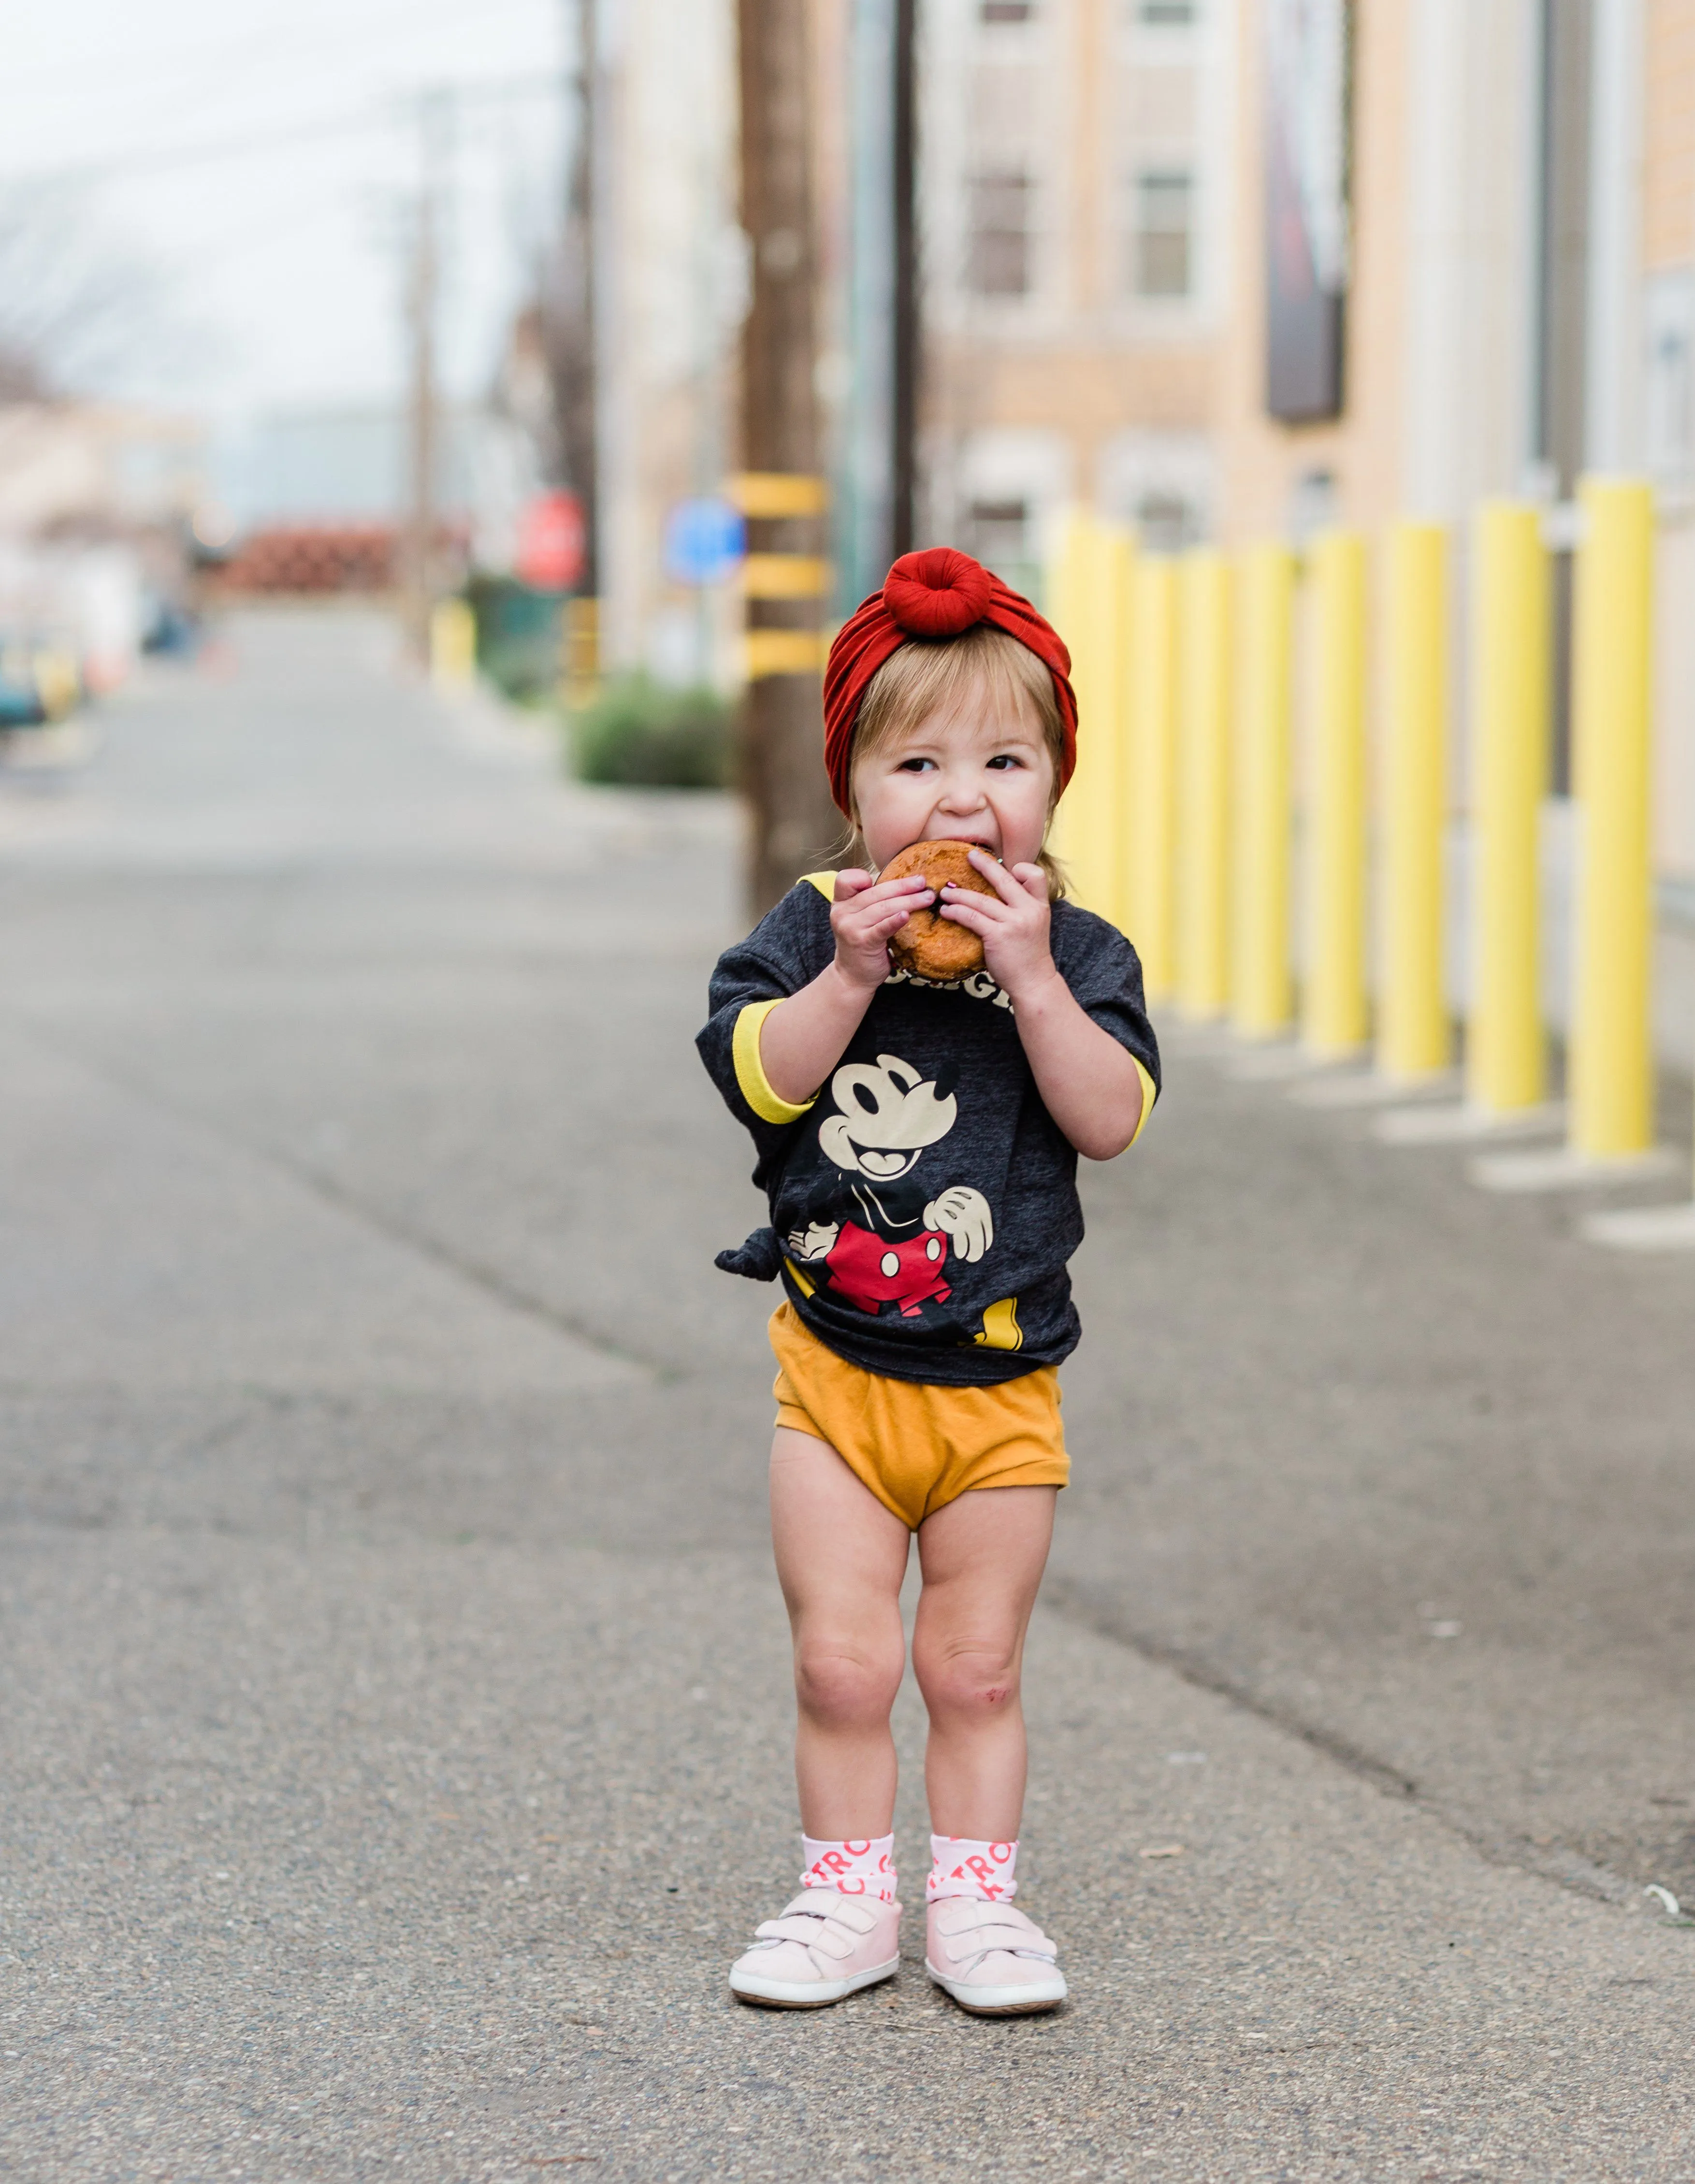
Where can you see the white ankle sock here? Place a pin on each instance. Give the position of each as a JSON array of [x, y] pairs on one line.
[[960, 1866], [851, 1869]]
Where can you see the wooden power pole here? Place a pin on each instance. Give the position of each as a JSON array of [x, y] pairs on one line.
[[787, 576], [419, 571], [907, 331], [572, 347]]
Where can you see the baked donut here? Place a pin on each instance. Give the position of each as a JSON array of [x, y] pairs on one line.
[[929, 945]]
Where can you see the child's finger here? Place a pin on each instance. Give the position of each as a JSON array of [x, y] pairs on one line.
[[991, 905], [997, 875], [900, 910], [851, 883], [1033, 879], [900, 900], [873, 931], [914, 883]]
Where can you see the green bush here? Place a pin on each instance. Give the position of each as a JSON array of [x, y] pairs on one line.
[[640, 734]]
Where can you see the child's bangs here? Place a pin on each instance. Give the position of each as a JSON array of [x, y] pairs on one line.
[[922, 678]]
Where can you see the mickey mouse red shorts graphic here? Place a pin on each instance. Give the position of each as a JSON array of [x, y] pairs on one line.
[[885, 1242]]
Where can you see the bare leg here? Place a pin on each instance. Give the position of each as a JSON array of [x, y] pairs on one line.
[[841, 1558], [982, 1557]]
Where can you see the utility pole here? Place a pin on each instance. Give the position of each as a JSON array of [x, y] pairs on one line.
[[418, 556], [879, 521], [908, 331], [573, 347], [781, 493]]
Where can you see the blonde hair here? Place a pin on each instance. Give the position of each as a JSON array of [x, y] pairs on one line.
[[923, 677]]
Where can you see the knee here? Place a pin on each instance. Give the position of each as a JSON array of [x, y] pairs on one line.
[[844, 1685], [967, 1680]]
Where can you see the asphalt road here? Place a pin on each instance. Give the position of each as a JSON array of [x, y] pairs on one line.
[[395, 1707]]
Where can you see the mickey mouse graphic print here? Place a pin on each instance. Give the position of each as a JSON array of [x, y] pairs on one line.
[[879, 1242], [923, 1206]]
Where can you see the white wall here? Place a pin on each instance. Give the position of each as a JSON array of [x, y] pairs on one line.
[[672, 288], [1471, 166], [1613, 426]]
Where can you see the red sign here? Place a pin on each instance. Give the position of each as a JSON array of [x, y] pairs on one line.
[[552, 542]]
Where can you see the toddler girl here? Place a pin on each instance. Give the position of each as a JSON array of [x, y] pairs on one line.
[[918, 1142]]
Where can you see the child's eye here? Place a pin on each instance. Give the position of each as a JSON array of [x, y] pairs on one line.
[[1006, 758], [916, 764]]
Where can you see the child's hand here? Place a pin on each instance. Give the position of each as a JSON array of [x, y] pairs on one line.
[[868, 914], [1013, 922]]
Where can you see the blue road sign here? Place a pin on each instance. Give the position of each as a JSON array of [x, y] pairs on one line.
[[704, 540]]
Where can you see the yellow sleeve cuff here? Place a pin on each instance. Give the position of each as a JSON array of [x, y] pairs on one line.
[[750, 1071], [1149, 1095]]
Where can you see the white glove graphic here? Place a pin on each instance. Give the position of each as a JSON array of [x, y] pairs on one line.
[[816, 1243], [962, 1214]]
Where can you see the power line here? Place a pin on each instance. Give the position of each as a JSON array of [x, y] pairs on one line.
[[165, 159], [335, 34]]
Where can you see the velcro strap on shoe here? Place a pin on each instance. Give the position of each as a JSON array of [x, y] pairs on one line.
[[811, 1931], [850, 1911], [846, 1911], [975, 1930]]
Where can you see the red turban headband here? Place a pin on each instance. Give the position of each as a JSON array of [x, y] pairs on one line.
[[931, 596]]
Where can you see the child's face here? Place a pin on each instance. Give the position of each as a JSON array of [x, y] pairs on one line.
[[976, 769]]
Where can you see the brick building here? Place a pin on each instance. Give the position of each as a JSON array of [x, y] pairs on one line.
[[1077, 255]]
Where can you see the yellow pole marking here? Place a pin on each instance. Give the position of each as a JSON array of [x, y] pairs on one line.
[[786, 576], [759, 493]]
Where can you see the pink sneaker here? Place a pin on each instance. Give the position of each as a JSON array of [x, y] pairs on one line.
[[992, 1959], [823, 1947]]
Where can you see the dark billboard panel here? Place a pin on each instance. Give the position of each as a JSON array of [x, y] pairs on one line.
[[1307, 156]]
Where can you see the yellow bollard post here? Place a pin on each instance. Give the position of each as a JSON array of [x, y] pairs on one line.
[[1096, 794], [1068, 601], [1127, 561], [1505, 1045], [1260, 981], [1203, 791], [1151, 881], [1114, 577], [1333, 1013], [453, 645], [1412, 1031], [1610, 1088]]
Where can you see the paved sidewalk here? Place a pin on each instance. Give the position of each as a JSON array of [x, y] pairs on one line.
[[395, 1713]]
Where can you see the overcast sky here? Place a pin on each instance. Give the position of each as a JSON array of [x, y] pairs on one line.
[[281, 255]]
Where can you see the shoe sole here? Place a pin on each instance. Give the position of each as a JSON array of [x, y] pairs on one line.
[[1001, 2001], [791, 1994]]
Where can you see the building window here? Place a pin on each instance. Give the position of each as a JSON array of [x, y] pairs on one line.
[[999, 533], [1167, 13], [1163, 244], [999, 256], [1166, 521], [1006, 11]]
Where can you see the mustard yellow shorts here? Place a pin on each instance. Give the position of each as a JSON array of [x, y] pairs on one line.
[[917, 1446]]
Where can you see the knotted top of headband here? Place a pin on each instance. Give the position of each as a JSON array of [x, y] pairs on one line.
[[926, 598]]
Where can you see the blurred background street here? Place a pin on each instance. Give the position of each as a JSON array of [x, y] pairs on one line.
[[437, 445]]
